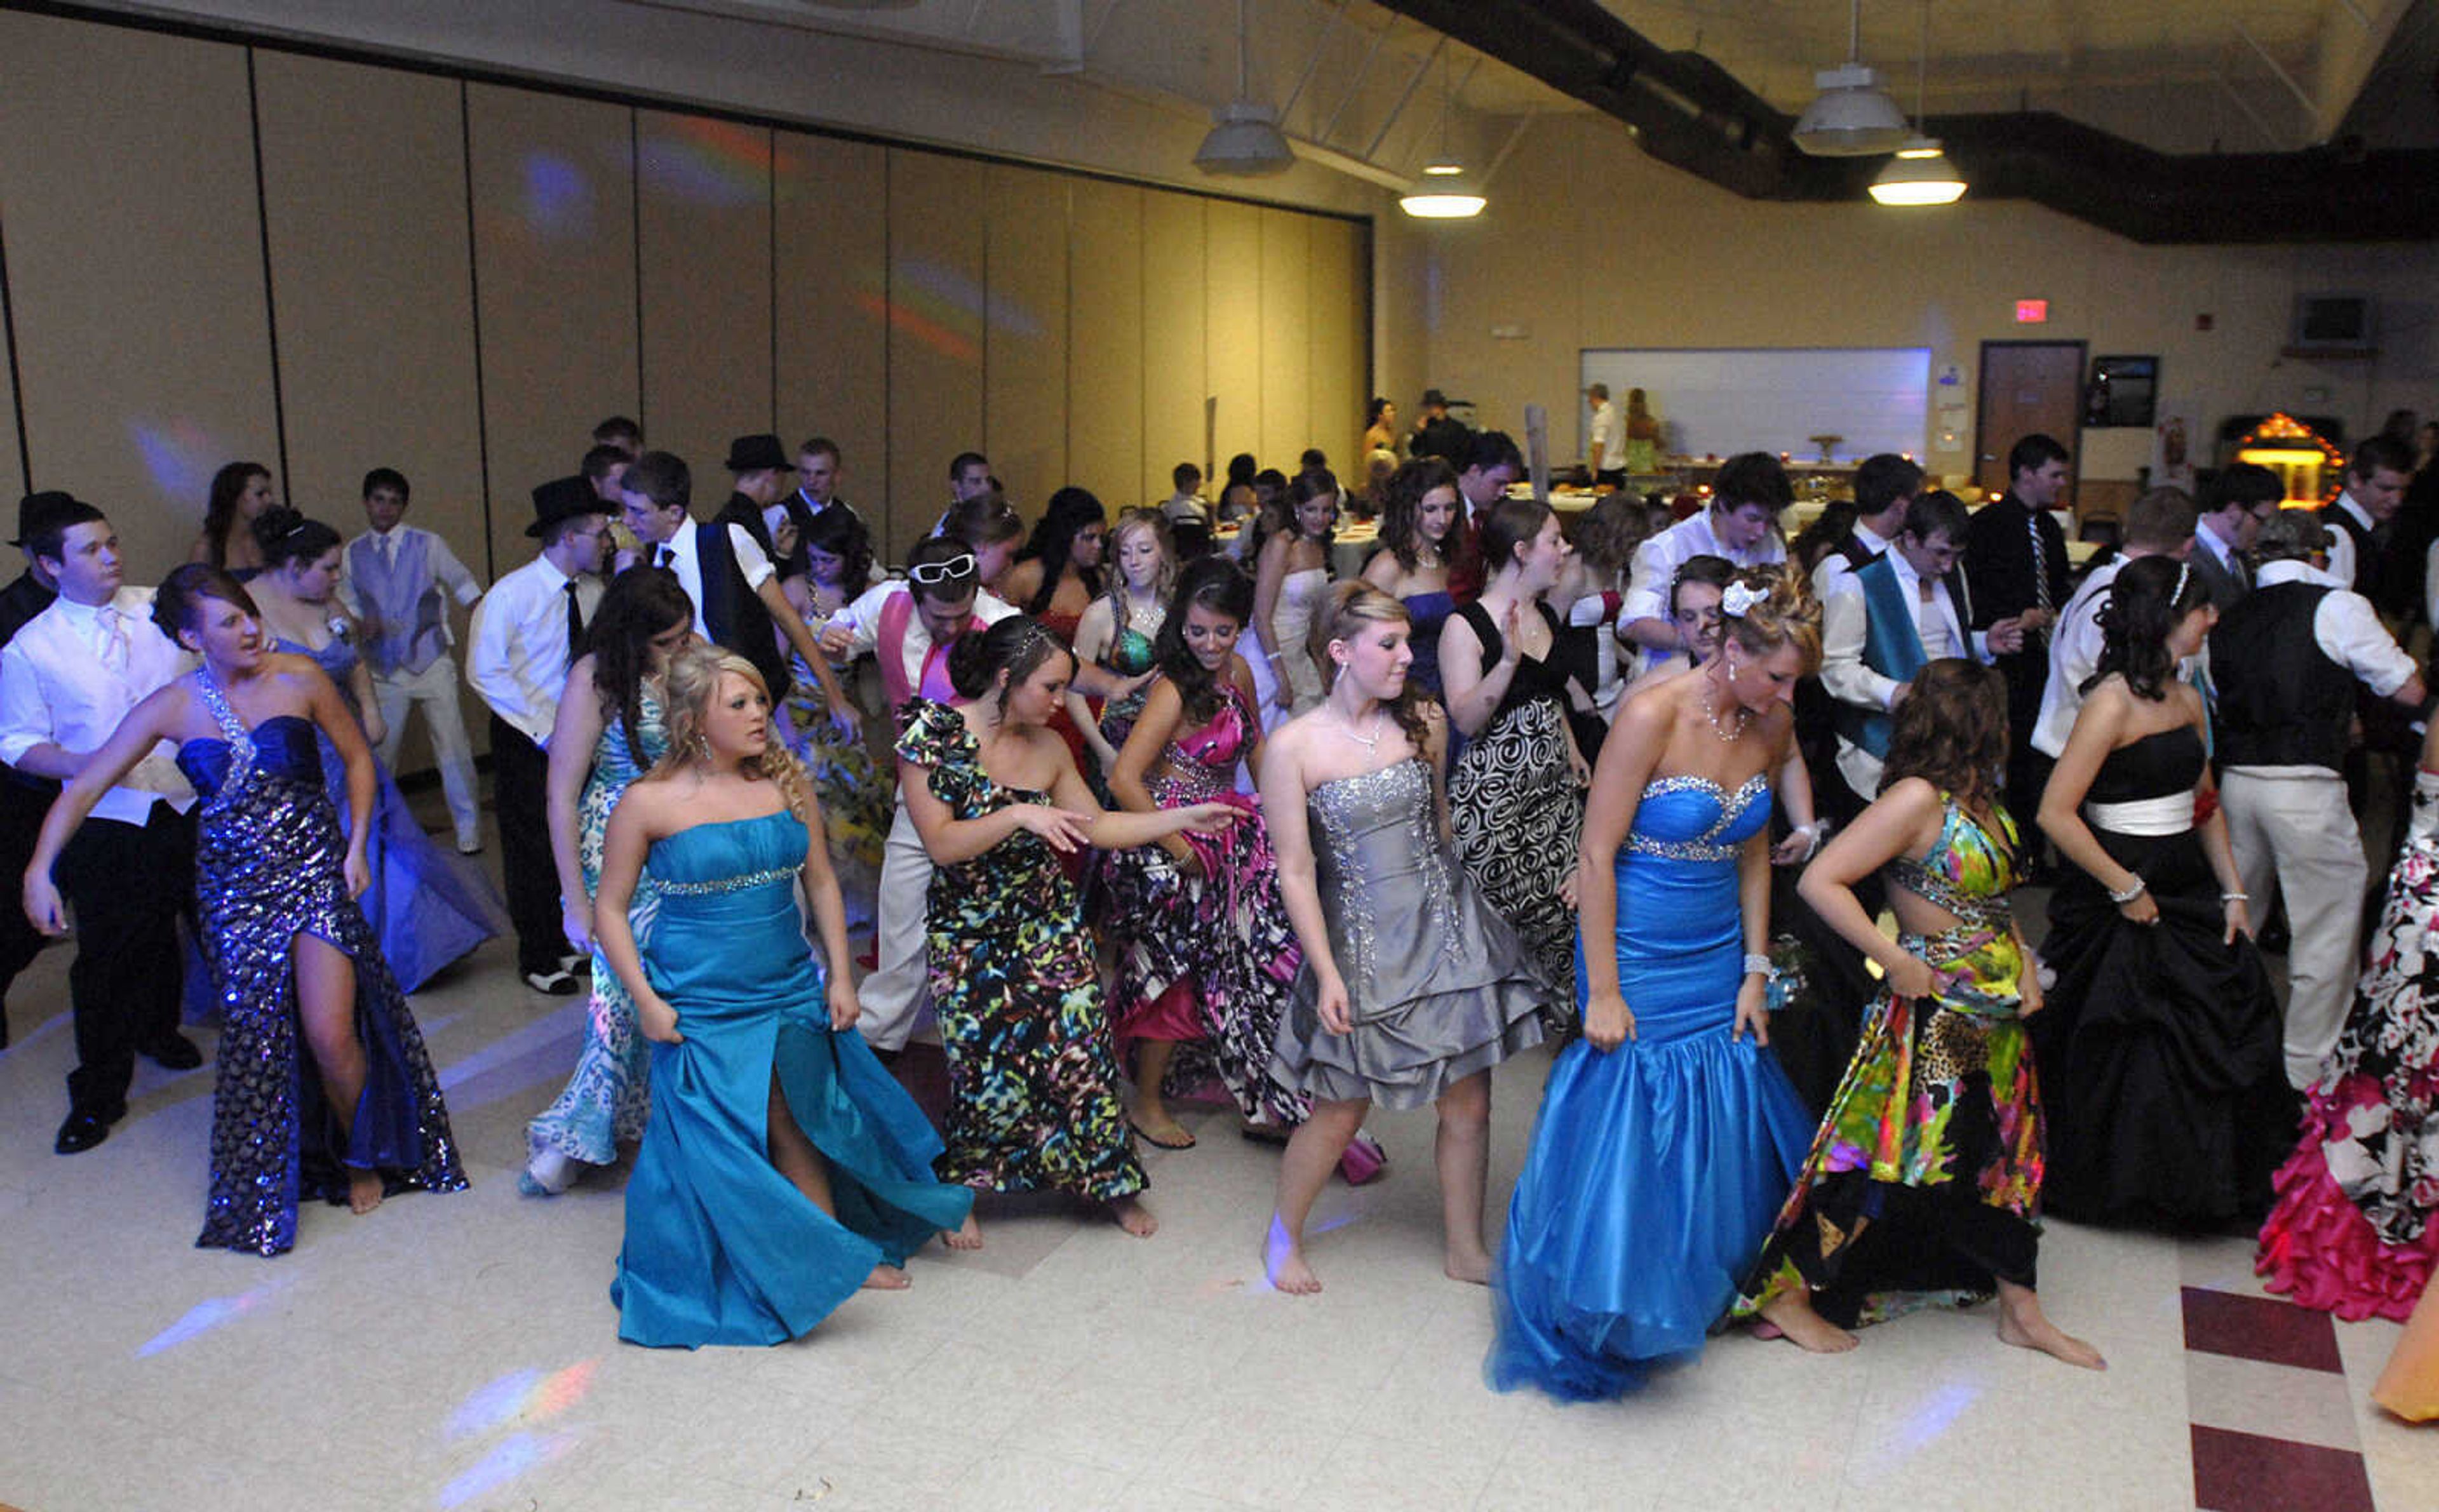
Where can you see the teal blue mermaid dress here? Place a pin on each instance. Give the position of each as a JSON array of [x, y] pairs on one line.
[[1656, 1167], [720, 1248]]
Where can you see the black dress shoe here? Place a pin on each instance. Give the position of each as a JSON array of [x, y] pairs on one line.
[[83, 1131], [176, 1053]]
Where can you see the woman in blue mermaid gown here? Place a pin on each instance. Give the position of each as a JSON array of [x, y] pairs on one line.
[[607, 735], [1667, 1135], [294, 962], [427, 908], [783, 1168]]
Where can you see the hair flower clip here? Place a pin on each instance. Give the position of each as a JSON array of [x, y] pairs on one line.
[[1738, 599]]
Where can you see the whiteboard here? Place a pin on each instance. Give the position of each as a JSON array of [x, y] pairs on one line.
[[1723, 400]]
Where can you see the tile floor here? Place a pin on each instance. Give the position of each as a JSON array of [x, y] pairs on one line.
[[460, 1352]]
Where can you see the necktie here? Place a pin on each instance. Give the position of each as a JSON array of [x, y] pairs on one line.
[[574, 623], [661, 556], [2040, 563], [113, 639], [388, 553]]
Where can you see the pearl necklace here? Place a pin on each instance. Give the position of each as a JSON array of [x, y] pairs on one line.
[[1711, 715]]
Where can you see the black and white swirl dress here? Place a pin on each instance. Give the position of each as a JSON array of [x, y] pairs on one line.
[[1514, 804]]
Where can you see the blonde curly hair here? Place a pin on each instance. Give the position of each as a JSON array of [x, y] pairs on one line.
[[1781, 613], [687, 688]]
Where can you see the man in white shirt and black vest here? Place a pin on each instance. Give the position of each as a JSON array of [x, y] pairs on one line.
[[728, 575], [2284, 663], [66, 681]]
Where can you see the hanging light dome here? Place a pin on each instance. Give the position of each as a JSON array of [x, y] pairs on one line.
[[1852, 117], [1447, 192], [1919, 174], [1245, 142]]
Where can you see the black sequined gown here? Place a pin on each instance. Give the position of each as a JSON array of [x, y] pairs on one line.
[[270, 864]]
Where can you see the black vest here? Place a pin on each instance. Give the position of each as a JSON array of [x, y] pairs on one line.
[[2281, 702], [734, 611]]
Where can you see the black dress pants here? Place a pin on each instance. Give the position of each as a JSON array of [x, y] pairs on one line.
[[520, 784], [127, 885], [23, 804]]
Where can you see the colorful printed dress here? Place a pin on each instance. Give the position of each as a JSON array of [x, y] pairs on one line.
[[1925, 1177], [1211, 957], [1033, 1085], [856, 796], [606, 1102], [2352, 1231], [1514, 804], [270, 865]]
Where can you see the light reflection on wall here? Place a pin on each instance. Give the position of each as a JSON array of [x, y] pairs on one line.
[[180, 457], [941, 307], [710, 162], [557, 198]]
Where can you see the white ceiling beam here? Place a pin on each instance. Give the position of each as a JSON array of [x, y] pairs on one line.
[[1406, 96]]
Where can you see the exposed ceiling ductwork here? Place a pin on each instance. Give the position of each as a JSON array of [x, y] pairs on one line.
[[1688, 111]]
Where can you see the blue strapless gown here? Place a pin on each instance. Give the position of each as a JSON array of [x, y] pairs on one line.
[[427, 908], [270, 865], [1656, 1169], [720, 1248], [1428, 615]]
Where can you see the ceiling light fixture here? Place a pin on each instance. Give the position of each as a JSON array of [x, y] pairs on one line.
[[1447, 192], [1245, 139], [1920, 173], [1852, 117]]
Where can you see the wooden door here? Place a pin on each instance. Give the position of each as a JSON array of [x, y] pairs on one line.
[[2027, 387]]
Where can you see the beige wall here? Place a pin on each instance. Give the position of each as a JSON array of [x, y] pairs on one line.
[[462, 278], [1589, 244]]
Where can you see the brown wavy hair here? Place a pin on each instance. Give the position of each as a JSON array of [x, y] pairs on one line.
[[1787, 614], [687, 687], [1951, 731], [1349, 606], [1403, 502]]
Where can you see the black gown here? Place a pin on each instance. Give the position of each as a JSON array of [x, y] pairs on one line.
[[2159, 1047]]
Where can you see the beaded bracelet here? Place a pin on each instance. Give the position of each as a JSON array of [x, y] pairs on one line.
[[2130, 894]]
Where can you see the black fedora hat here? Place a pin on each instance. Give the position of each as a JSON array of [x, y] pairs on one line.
[[562, 499], [36, 512], [756, 453], [1432, 397]]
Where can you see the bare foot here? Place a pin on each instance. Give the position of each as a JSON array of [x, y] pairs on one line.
[[1283, 1262], [888, 1278], [2033, 1330], [1135, 1218], [1472, 1266], [966, 1235], [1159, 1129], [363, 1191], [1789, 1316]]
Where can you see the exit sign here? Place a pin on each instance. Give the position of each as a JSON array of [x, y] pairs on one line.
[[2032, 311]]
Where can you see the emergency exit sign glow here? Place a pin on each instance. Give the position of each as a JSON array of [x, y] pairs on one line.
[[2032, 311]]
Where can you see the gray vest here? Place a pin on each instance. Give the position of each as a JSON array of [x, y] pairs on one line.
[[408, 609]]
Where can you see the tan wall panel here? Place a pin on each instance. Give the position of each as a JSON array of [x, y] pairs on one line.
[[10, 456], [833, 304], [364, 174], [1024, 337], [1287, 267], [555, 287], [1334, 324], [1105, 394], [936, 337], [1233, 325], [703, 191], [135, 270], [1174, 320]]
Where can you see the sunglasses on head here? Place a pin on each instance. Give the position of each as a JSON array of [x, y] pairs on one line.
[[930, 573]]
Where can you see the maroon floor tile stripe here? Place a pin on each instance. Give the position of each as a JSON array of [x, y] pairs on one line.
[[2277, 1333], [2245, 1472]]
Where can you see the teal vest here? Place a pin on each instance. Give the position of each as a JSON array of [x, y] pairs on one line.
[[1892, 646]]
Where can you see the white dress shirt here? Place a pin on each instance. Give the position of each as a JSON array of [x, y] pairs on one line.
[[2341, 545], [1844, 626], [73, 674], [447, 570], [519, 654], [861, 621], [2346, 627], [1657, 560], [1833, 569], [2074, 654], [1608, 433], [684, 558]]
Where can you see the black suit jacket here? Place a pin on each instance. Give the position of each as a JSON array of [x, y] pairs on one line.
[[2224, 587], [1999, 559]]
